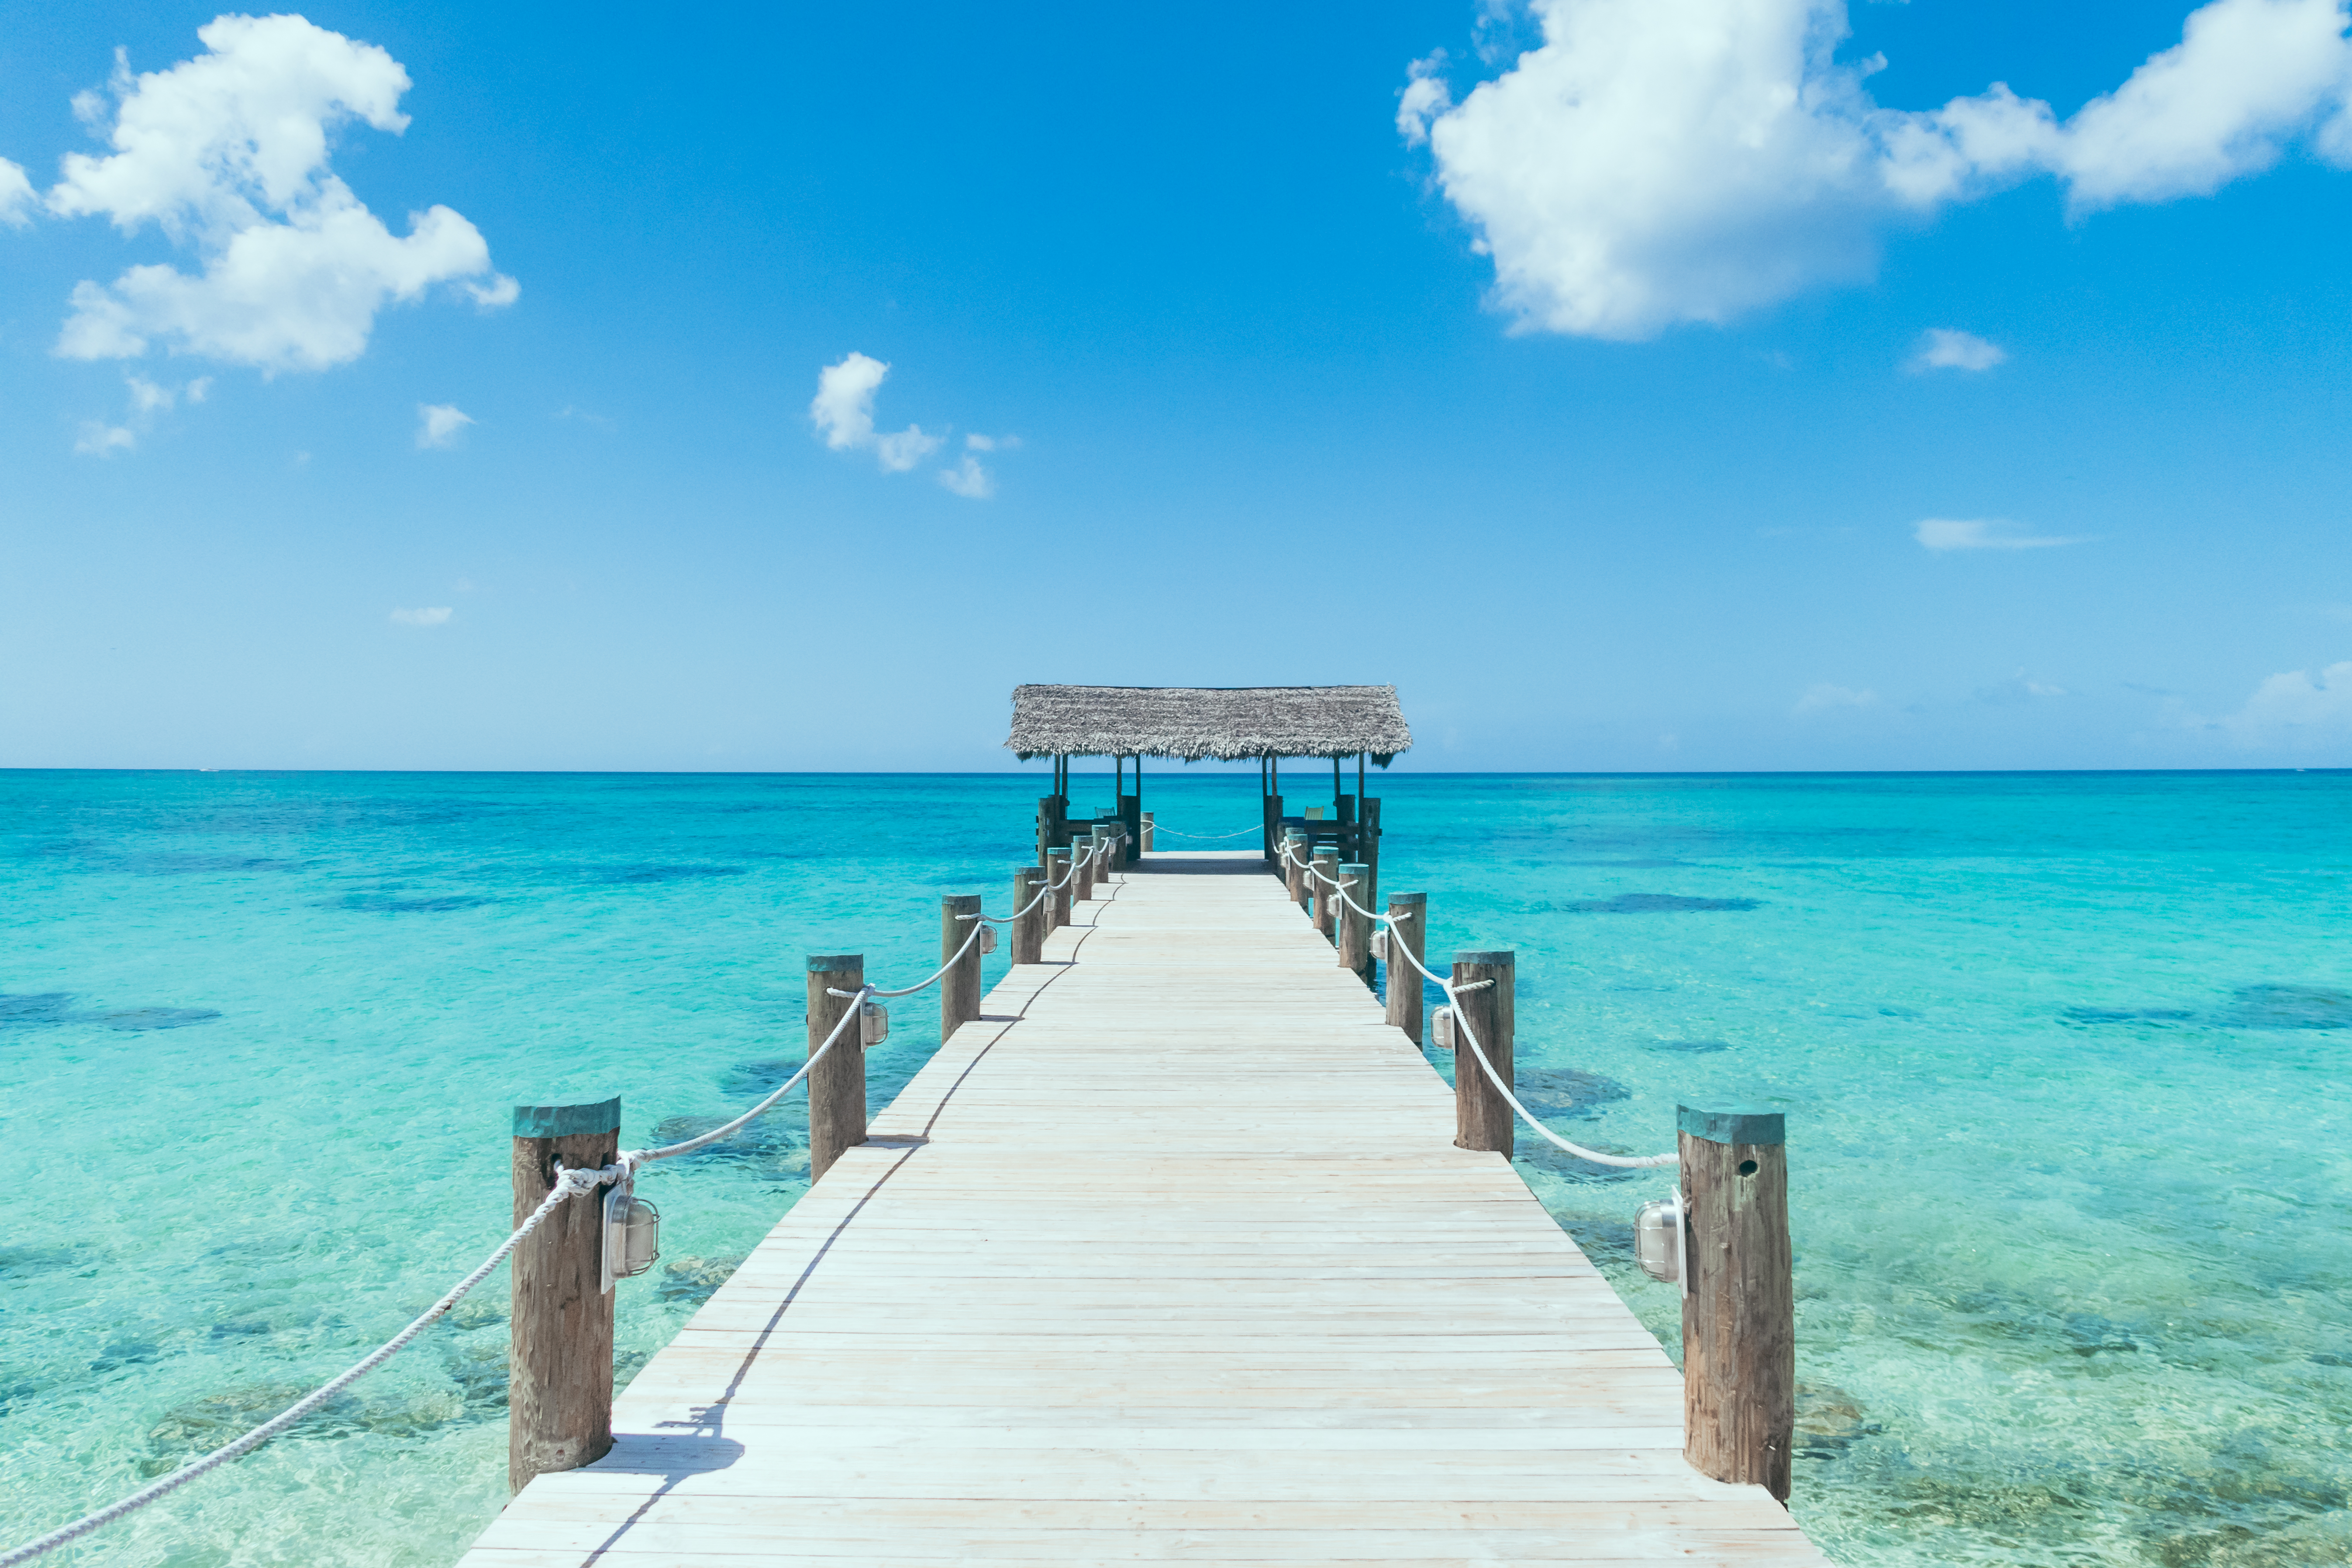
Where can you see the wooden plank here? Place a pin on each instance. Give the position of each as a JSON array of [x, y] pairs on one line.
[[1167, 1254]]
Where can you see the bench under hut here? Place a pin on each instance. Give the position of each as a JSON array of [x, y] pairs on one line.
[[1226, 723]]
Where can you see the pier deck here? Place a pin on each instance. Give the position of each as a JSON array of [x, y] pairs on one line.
[[1168, 1257]]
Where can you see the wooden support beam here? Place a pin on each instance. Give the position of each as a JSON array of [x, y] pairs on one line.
[[560, 1374], [1057, 869], [1404, 999], [960, 986], [1739, 1319], [1354, 929], [1149, 827], [1483, 1119], [1029, 930], [1327, 863], [836, 1085], [1294, 874]]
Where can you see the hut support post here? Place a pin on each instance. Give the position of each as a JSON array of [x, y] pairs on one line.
[[836, 1085], [560, 1377], [960, 987], [1029, 926], [1483, 1119], [1408, 914], [1739, 1322], [1149, 828]]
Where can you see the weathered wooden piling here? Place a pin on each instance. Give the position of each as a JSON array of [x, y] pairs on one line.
[[1483, 1119], [1087, 859], [1149, 827], [836, 1085], [1326, 870], [1408, 929], [1294, 866], [559, 1375], [1057, 871], [1355, 927], [1053, 822], [960, 986], [1739, 1319], [1030, 925]]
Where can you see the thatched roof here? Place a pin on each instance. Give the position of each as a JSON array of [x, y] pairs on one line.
[[1227, 723]]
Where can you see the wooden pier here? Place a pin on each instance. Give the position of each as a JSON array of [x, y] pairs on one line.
[[1168, 1256]]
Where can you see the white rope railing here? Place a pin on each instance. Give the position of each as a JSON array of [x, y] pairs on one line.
[[567, 1184], [631, 1159], [1397, 945], [1075, 861], [1008, 920], [1205, 838]]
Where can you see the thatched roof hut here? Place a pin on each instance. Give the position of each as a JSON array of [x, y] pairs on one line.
[[1226, 722]]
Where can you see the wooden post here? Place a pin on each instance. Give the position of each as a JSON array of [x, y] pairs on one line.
[[1052, 824], [1739, 1319], [1326, 862], [1130, 829], [1368, 844], [960, 986], [1093, 868], [1355, 930], [1483, 1119], [1294, 876], [560, 1377], [1149, 826], [1029, 930], [836, 1085], [1405, 980], [1273, 807], [1057, 869]]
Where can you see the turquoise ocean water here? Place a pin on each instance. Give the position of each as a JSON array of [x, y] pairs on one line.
[[2063, 1058]]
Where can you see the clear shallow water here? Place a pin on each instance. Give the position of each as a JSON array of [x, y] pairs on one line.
[[2062, 1056]]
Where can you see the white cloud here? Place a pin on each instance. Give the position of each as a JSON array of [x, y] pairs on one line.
[[1823, 697], [2295, 709], [436, 617], [2017, 687], [842, 411], [227, 155], [198, 389], [146, 397], [1661, 161], [439, 424], [1942, 348], [17, 199], [99, 440], [969, 478], [1942, 534]]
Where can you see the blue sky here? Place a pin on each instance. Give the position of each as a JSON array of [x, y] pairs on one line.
[[1637, 384]]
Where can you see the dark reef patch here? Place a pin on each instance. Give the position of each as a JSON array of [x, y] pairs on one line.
[[1639, 865], [398, 904], [631, 875], [2267, 1007], [133, 1020], [1567, 1091], [2286, 1007], [53, 1007], [1652, 904], [1687, 1047]]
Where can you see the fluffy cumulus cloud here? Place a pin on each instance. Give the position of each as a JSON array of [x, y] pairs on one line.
[[2295, 709], [148, 399], [438, 424], [228, 156], [16, 199], [1942, 348], [843, 413], [1652, 161], [1943, 534]]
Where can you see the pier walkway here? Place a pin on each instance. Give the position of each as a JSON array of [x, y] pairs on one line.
[[1168, 1257]]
